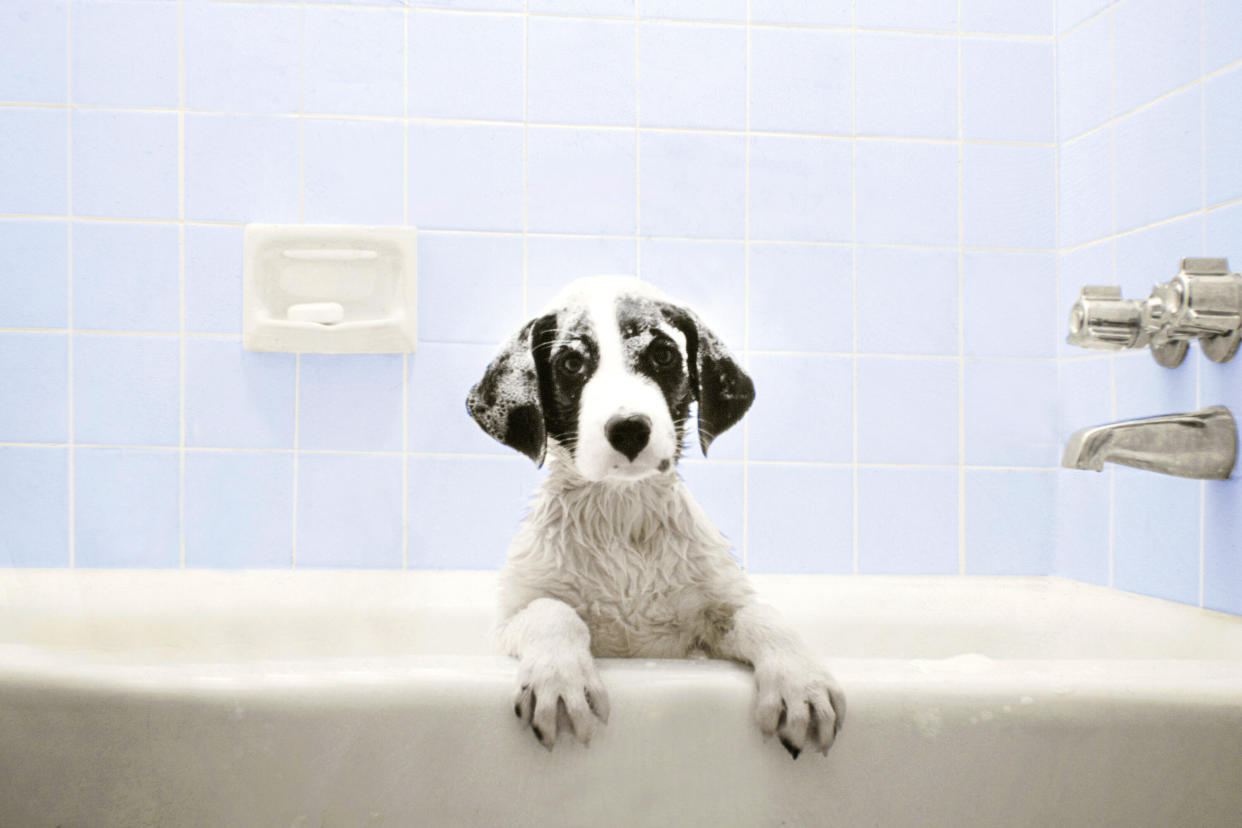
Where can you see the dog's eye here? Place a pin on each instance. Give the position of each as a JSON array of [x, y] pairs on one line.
[[571, 364], [662, 355]]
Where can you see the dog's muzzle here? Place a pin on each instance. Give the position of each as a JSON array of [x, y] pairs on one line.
[[628, 435]]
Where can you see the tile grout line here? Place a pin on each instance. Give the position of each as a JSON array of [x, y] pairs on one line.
[[1186, 87], [500, 456], [638, 155], [1203, 252], [1112, 203], [405, 220], [682, 21], [525, 160], [69, 397], [499, 122], [961, 326], [856, 536], [1056, 284], [297, 357], [181, 341], [449, 231], [745, 551], [469, 343]]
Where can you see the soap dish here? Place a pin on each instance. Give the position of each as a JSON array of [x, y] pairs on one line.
[[330, 289]]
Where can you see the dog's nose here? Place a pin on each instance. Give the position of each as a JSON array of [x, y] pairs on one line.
[[628, 435]]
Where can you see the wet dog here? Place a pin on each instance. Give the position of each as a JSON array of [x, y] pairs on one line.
[[616, 559]]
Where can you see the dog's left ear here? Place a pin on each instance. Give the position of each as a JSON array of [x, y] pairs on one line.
[[722, 389], [507, 402]]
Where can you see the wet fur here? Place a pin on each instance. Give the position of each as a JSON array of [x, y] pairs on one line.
[[624, 566]]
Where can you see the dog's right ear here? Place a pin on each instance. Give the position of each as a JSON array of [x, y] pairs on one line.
[[507, 402]]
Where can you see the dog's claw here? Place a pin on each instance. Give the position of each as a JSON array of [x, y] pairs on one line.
[[564, 702], [801, 703]]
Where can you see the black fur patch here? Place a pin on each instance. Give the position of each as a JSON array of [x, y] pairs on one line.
[[643, 334], [524, 430], [723, 390], [560, 391], [506, 401]]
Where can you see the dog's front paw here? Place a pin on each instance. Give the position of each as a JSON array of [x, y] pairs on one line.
[[801, 702], [557, 691]]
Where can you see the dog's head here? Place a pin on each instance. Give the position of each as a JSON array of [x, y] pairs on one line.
[[608, 373]]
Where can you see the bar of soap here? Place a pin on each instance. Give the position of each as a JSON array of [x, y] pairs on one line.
[[325, 313]]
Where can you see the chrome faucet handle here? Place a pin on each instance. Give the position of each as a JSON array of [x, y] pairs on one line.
[[1204, 300], [1102, 319]]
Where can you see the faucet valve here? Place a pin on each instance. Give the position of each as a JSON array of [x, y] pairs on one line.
[[1210, 306], [1204, 301], [1102, 319]]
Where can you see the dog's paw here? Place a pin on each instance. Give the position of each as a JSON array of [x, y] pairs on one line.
[[560, 692], [799, 701]]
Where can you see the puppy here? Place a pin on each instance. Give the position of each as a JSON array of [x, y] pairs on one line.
[[616, 559]]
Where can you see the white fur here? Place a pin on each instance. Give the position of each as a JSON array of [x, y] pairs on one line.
[[611, 563]]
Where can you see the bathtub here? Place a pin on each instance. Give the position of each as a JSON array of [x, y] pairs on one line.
[[200, 698]]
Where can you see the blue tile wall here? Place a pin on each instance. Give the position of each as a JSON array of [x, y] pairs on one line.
[[464, 176], [126, 508], [124, 54], [460, 66], [34, 169], [241, 168], [799, 189], [34, 506], [1005, 17], [347, 172], [354, 63], [350, 402], [213, 279], [780, 538], [692, 184], [238, 509], [1145, 178], [35, 370], [793, 419], [579, 71], [112, 149], [1084, 77], [692, 75], [126, 389], [906, 192], [1008, 530], [906, 85], [1016, 105], [907, 521], [708, 275], [799, 80], [884, 209], [580, 181], [37, 251], [1160, 160], [113, 262], [1157, 49], [907, 300], [349, 511], [1009, 412], [33, 64], [907, 411]]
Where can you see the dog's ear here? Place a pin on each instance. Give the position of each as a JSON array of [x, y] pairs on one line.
[[507, 402], [722, 389]]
